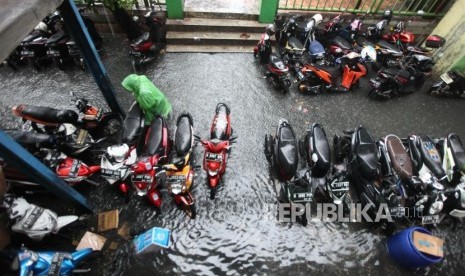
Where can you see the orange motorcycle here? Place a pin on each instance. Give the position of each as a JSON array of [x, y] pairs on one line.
[[321, 78]]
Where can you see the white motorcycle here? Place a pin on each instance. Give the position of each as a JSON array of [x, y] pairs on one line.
[[34, 221]]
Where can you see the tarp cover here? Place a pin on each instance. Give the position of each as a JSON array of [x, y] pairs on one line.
[[18, 18]]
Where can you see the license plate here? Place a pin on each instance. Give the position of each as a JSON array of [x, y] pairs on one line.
[[340, 186], [302, 197], [214, 157], [397, 212], [53, 53], [433, 219], [113, 174], [135, 53], [176, 179], [27, 53], [445, 77], [145, 178]]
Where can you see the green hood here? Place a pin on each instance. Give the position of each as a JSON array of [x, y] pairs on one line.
[[131, 83]]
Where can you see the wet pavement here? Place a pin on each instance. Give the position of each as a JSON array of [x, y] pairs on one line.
[[235, 233]]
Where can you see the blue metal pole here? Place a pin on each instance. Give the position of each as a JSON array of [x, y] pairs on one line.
[[77, 29], [12, 152]]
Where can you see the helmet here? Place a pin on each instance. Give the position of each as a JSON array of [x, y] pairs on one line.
[[369, 53], [270, 29], [317, 18], [41, 27], [118, 152], [387, 14]]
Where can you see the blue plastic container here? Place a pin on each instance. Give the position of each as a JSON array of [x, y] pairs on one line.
[[402, 249]]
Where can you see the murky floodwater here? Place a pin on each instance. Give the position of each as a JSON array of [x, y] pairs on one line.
[[235, 234]]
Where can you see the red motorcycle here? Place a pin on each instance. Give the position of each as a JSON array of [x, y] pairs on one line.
[[146, 173], [218, 147]]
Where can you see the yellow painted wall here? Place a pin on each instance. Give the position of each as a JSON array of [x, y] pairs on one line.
[[452, 27]]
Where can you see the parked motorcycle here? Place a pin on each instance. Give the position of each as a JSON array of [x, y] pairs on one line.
[[147, 175], [453, 156], [320, 79], [452, 85], [393, 82], [146, 48], [34, 221], [90, 119], [115, 163], [180, 171], [364, 173], [281, 150], [30, 262], [423, 200], [276, 72], [217, 149], [53, 151]]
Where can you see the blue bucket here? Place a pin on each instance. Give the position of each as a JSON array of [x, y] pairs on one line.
[[402, 249]]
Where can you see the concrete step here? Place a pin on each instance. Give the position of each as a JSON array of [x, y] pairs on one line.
[[212, 38], [209, 49], [221, 15], [215, 25]]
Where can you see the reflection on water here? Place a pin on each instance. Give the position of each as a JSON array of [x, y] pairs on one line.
[[235, 233]]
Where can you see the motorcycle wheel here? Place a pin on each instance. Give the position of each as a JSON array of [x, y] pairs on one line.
[[110, 127], [303, 219], [136, 65], [268, 147], [213, 193], [191, 211], [285, 85]]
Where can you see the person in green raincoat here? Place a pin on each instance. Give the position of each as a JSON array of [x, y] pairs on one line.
[[151, 100]]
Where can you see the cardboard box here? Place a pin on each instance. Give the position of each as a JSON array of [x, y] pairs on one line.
[[428, 244], [91, 240], [107, 220], [152, 239]]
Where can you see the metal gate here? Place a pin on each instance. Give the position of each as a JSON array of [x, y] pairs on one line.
[[430, 8]]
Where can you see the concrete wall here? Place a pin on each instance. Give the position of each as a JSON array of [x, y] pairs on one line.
[[452, 27]]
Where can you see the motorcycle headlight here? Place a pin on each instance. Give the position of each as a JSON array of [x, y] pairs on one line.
[[176, 189], [212, 173], [436, 207]]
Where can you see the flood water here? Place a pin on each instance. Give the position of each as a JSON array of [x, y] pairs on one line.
[[236, 234]]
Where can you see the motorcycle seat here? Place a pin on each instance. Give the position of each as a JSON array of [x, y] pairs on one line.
[[287, 151], [56, 37], [333, 71], [400, 160], [144, 37], [362, 41], [132, 125], [277, 62], [366, 154], [342, 43], [321, 149], [295, 44], [389, 46], [47, 114], [30, 37], [153, 140], [220, 131], [183, 135], [431, 157], [27, 138], [397, 72], [458, 152]]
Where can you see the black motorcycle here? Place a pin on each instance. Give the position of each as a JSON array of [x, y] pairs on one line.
[[281, 151], [392, 82], [364, 173], [452, 85]]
